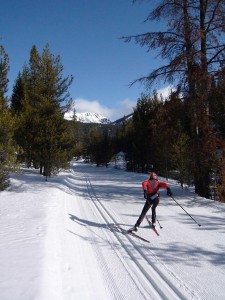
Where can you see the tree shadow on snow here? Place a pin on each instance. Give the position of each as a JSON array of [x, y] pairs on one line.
[[84, 222]]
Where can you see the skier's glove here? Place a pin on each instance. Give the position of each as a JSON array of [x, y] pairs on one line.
[[169, 192], [145, 194]]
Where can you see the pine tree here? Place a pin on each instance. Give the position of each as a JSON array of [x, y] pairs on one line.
[[18, 95], [124, 141], [169, 121], [7, 146], [143, 151], [181, 158], [4, 69], [45, 98], [94, 148], [7, 124]]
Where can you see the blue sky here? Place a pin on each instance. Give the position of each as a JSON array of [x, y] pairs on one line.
[[86, 34]]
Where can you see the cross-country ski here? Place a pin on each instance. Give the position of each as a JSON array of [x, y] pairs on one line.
[[151, 225]]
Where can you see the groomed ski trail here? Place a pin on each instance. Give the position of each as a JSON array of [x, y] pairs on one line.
[[129, 267]]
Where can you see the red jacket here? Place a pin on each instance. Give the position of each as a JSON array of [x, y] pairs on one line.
[[144, 185], [153, 185]]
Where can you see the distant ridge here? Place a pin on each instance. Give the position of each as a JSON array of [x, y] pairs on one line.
[[95, 118], [122, 119], [88, 117]]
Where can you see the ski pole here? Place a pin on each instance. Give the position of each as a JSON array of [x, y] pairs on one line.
[[159, 224], [186, 212]]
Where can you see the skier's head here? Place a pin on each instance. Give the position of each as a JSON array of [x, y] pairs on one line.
[[153, 175]]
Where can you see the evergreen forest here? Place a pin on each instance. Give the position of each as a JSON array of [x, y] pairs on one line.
[[181, 136]]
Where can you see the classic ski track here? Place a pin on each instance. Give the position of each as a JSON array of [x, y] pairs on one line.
[[114, 290], [111, 283], [155, 282]]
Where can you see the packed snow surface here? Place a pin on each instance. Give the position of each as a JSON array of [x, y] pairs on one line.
[[64, 239]]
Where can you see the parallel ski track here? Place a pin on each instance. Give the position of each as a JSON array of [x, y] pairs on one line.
[[155, 283]]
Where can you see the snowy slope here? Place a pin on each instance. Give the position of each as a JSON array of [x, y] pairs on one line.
[[64, 239], [88, 117]]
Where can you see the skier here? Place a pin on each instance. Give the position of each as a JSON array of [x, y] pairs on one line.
[[151, 187]]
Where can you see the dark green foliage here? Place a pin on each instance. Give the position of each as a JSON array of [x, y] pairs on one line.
[[4, 177], [40, 99], [168, 124], [142, 150], [217, 105], [124, 139], [7, 125], [181, 159], [4, 69], [18, 95], [98, 145]]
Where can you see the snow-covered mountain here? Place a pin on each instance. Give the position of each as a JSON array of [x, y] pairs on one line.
[[88, 117]]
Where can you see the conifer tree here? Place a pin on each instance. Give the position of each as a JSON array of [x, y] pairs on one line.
[[124, 141], [7, 146], [7, 124], [43, 134], [4, 69], [94, 148], [181, 158], [18, 95], [99, 146], [143, 152], [169, 121]]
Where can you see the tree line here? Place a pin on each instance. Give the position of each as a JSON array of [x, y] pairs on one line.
[[183, 133], [32, 124], [158, 137], [192, 45]]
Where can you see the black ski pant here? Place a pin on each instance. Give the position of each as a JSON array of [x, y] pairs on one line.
[[149, 203]]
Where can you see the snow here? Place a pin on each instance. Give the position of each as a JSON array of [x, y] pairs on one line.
[[87, 117], [63, 239]]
